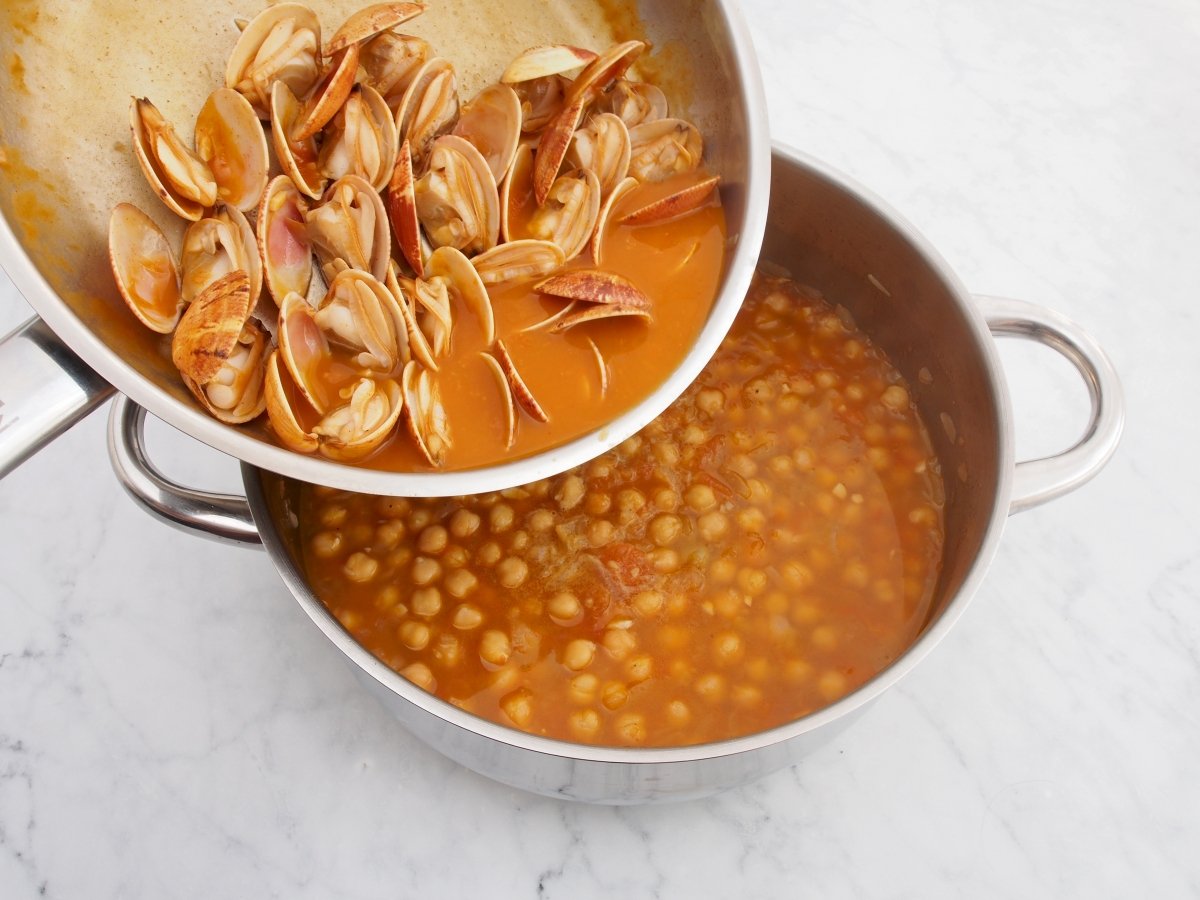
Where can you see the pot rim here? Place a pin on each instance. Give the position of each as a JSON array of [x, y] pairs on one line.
[[986, 349], [187, 417]]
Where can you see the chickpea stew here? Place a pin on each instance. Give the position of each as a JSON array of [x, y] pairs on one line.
[[768, 544]]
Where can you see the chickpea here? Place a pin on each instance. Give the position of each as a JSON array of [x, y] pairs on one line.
[[389, 535], [334, 516], [667, 454], [723, 570], [419, 518], [459, 583], [414, 635], [519, 541], [710, 401], [824, 637], [895, 398], [665, 529], [713, 526], [630, 500], [425, 570], [518, 706], [571, 492], [433, 540], [631, 728], [678, 713], [665, 560], [694, 435], [710, 687], [597, 503], [647, 603], [600, 532], [578, 654], [420, 675], [427, 601], [448, 650], [541, 520], [619, 642], [700, 497], [831, 684], [582, 688], [512, 572], [666, 500], [614, 695], [565, 609], [467, 617], [456, 557], [501, 518], [747, 695], [639, 669], [360, 568], [495, 647], [388, 598], [490, 553], [727, 648], [752, 581], [464, 523], [327, 544], [584, 723], [392, 507]]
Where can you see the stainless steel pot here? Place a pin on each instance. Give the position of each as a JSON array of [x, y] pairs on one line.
[[64, 165], [833, 234]]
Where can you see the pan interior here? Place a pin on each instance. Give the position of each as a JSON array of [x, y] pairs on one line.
[[70, 67]]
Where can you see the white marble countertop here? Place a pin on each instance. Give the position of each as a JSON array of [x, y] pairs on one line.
[[171, 725]]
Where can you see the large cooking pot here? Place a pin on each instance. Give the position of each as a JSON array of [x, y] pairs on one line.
[[65, 162], [831, 233]]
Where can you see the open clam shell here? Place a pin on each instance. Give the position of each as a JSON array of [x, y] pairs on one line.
[[568, 217], [144, 268], [595, 312], [350, 225], [428, 108], [538, 62], [520, 390], [518, 180], [553, 144], [676, 204], [390, 61], [457, 201], [236, 394], [602, 146], [418, 344], [327, 97], [491, 121], [361, 314], [541, 100], [369, 21], [304, 351], [402, 210], [518, 260], [594, 286], [231, 142], [425, 414], [506, 399], [635, 102], [281, 44], [297, 158], [434, 313], [279, 393], [359, 427], [215, 246], [464, 282], [210, 328], [180, 178], [663, 148], [361, 139], [283, 242], [599, 236]]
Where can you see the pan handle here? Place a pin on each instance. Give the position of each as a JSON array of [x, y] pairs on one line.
[[219, 517], [1039, 480], [44, 390]]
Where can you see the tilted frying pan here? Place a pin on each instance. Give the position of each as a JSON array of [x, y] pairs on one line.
[[69, 68]]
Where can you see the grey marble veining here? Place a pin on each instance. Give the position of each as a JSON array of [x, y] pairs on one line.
[[171, 725]]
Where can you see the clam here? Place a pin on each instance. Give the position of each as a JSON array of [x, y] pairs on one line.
[[215, 246], [280, 395], [327, 97], [283, 242], [456, 199], [231, 142], [595, 312], [491, 121], [635, 102], [418, 344], [434, 314], [506, 399], [362, 316], [402, 211], [424, 414], [236, 394], [518, 260], [553, 144], [610, 202], [663, 148], [361, 139], [569, 214], [541, 100], [370, 21], [180, 178], [606, 68], [144, 268], [389, 61], [305, 353], [281, 44], [428, 108], [602, 146], [463, 283], [360, 426], [350, 225], [517, 183], [210, 329], [297, 158], [675, 204], [594, 286], [539, 62], [520, 390]]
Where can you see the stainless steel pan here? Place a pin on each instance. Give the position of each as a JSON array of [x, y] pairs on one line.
[[835, 235], [69, 68]]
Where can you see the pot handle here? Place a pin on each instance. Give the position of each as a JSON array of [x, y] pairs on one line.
[[44, 390], [219, 517], [1039, 480]]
